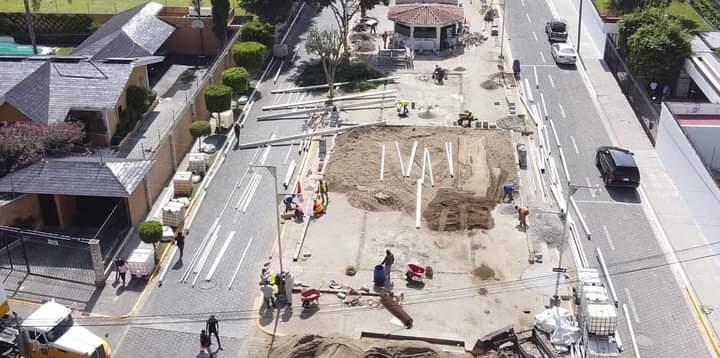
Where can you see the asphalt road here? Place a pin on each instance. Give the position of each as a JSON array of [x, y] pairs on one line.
[[181, 309], [662, 319]]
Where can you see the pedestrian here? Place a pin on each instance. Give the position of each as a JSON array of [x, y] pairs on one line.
[[180, 243], [289, 284], [289, 201], [323, 191], [385, 39], [213, 328], [388, 261], [204, 340], [268, 298], [122, 268], [236, 130], [523, 213], [373, 28], [508, 190], [118, 262]]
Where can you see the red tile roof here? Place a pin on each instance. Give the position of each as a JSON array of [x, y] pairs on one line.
[[426, 14]]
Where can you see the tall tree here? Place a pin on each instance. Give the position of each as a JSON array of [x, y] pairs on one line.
[[343, 12], [366, 5], [220, 10], [328, 45], [634, 21], [657, 52]]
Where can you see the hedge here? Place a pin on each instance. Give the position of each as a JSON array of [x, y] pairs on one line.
[[249, 54]]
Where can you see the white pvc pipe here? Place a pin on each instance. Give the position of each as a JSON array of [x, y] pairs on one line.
[[311, 134], [205, 255], [605, 271], [215, 264], [412, 159], [237, 268], [580, 216], [424, 165], [324, 100], [429, 162], [418, 204], [308, 88], [631, 330], [402, 166], [452, 160], [290, 171], [186, 274], [382, 163]]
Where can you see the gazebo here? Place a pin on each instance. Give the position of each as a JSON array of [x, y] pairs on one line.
[[427, 26]]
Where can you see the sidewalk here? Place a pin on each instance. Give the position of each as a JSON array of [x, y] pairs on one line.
[[679, 237]]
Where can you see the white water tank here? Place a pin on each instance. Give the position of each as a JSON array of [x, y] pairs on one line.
[[600, 319]]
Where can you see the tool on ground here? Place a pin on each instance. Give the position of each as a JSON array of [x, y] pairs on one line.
[[392, 304], [415, 273], [497, 340], [465, 119], [310, 297], [402, 107]]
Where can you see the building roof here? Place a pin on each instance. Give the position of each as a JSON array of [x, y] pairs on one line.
[[136, 32], [426, 14], [46, 89], [78, 176]]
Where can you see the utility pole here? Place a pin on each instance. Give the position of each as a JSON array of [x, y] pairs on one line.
[[273, 171], [31, 28], [502, 30], [579, 27]]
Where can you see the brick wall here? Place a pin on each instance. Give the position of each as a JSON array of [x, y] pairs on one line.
[[186, 40], [22, 207], [137, 205], [67, 207]]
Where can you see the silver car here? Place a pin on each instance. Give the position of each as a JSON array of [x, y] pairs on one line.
[[563, 53]]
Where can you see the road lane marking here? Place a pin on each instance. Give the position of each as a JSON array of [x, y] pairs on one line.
[[607, 235], [592, 192], [542, 57], [562, 110], [607, 202], [542, 99], [528, 17], [537, 81], [552, 83], [535, 36], [632, 305], [577, 151], [242, 258], [521, 1]]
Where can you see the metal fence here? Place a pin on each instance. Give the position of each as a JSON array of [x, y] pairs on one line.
[[645, 109]]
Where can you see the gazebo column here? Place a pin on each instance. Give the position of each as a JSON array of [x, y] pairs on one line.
[[412, 37], [437, 37]]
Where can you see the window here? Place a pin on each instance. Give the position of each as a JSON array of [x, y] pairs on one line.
[[56, 332], [402, 29], [425, 33]]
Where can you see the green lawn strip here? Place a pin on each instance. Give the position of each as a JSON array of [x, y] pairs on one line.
[[602, 6], [94, 6], [684, 10]]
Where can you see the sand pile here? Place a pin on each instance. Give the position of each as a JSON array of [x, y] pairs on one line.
[[313, 346], [483, 161]]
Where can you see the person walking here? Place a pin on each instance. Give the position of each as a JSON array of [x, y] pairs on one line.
[[268, 298], [508, 190], [388, 261], [523, 213], [236, 130], [323, 191], [213, 328], [289, 284], [385, 36], [122, 268], [204, 340], [118, 262], [180, 243]]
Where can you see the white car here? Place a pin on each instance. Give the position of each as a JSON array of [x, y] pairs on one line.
[[563, 53]]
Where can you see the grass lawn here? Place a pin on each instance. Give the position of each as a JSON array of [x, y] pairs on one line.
[[64, 51], [684, 10], [602, 6], [89, 6]]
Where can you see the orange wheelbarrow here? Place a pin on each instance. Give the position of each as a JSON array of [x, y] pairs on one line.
[[310, 297], [415, 273]]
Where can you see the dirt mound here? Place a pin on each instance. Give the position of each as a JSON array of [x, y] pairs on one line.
[[483, 161], [313, 346]]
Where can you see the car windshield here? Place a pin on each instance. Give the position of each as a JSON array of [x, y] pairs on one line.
[[60, 329], [567, 51], [557, 26]]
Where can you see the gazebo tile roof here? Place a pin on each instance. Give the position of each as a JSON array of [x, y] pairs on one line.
[[426, 14]]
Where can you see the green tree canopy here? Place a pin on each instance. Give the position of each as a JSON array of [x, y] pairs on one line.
[[657, 52], [328, 45], [151, 233], [249, 54], [237, 78], [200, 129], [218, 98], [220, 10], [634, 21], [258, 31]]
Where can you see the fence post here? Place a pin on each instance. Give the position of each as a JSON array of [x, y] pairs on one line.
[[97, 262]]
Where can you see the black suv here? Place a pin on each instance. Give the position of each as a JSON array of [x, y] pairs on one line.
[[556, 30], [617, 166]]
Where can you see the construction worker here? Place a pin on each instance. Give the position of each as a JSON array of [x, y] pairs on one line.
[[289, 201], [523, 213], [323, 191], [318, 208], [508, 191]]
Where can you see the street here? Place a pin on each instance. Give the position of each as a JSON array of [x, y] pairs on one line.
[[662, 319]]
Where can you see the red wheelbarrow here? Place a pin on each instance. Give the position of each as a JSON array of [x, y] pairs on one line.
[[310, 297], [415, 273]]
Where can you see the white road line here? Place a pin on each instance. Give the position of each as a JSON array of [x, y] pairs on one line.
[[528, 17], [592, 192], [562, 110], [632, 305], [552, 83], [631, 330], [607, 235], [537, 81], [215, 264], [542, 57], [577, 151], [535, 35], [544, 106], [242, 258]]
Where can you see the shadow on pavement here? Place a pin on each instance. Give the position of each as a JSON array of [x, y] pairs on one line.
[[624, 195]]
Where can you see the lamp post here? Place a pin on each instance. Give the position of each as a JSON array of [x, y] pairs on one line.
[[572, 188], [579, 27], [273, 171], [502, 30]]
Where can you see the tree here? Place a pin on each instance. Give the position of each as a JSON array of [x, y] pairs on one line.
[[199, 129], [657, 52], [258, 31], [237, 78], [343, 11], [634, 4], [220, 10], [634, 21], [151, 233], [218, 98], [366, 5], [269, 10], [249, 54], [327, 44]]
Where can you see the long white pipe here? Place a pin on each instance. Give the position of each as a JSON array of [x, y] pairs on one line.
[[382, 163], [309, 88], [429, 162], [311, 134], [203, 258], [418, 204], [402, 166], [290, 171], [215, 264], [237, 268], [187, 272], [324, 100], [424, 165], [412, 159], [452, 160]]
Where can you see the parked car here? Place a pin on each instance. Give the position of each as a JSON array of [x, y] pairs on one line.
[[556, 30], [563, 53], [617, 166]]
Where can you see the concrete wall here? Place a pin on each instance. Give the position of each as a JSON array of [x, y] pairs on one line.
[[593, 24], [67, 208], [9, 114], [706, 141], [20, 208], [187, 40], [689, 174], [161, 171], [137, 205]]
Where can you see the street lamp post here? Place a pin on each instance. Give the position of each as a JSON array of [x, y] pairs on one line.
[[572, 188], [579, 26], [273, 171], [502, 30]]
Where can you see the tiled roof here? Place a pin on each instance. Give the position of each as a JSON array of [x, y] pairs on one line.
[[426, 14], [78, 176], [136, 32], [51, 88]]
